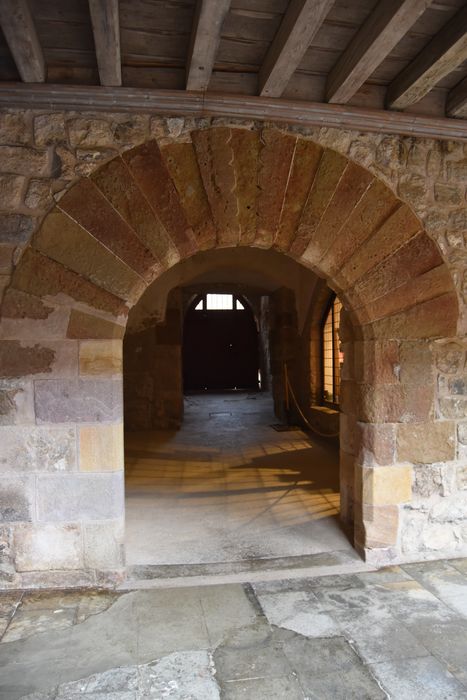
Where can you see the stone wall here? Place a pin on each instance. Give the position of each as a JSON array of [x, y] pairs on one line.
[[61, 388]]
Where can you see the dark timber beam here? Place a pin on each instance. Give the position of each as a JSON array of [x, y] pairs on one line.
[[295, 34], [457, 100], [446, 51], [209, 18], [21, 36], [179, 102], [384, 28], [106, 30]]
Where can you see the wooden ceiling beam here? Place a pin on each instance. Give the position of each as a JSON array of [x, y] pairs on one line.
[[456, 105], [179, 102], [300, 24], [106, 30], [384, 28], [446, 51], [205, 38], [21, 36]]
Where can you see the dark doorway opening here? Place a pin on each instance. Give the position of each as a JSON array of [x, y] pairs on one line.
[[220, 344]]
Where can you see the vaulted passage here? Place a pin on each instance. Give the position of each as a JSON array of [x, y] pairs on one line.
[[115, 238]]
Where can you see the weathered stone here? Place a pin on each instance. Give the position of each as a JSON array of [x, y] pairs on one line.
[[246, 145], [101, 448], [40, 276], [389, 485], [450, 357], [100, 357], [390, 152], [462, 477], [430, 319], [14, 128], [428, 481], [87, 160], [331, 169], [82, 401], [416, 363], [25, 161], [377, 362], [79, 497], [65, 163], [413, 188], [41, 547], [448, 510], [49, 129], [86, 205], [306, 159], [369, 214], [275, 161], [11, 188], [63, 240], [131, 130], [447, 194], [377, 443], [38, 195], [150, 172], [343, 204], [15, 228], [18, 359], [16, 402], [426, 443], [462, 433], [89, 132], [381, 525], [51, 327], [453, 407], [83, 325], [16, 499], [393, 403], [37, 449], [6, 259], [457, 170], [396, 230], [103, 545], [458, 220]]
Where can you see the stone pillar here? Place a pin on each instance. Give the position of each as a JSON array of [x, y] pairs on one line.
[[153, 388], [61, 451], [283, 344]]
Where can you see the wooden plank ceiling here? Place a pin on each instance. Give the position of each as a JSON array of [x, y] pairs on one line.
[[404, 55]]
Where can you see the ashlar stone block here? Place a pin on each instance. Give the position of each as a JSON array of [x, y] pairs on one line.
[[43, 547], [103, 545], [37, 449], [16, 499], [426, 443], [82, 400], [80, 497], [101, 448], [16, 402], [381, 525], [100, 357], [383, 486]]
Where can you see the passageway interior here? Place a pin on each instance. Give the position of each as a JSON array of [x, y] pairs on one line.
[[228, 487]]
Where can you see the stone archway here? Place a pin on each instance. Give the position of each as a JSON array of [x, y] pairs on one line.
[[113, 233]]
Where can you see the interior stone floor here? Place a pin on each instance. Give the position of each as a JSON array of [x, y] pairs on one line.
[[227, 487], [397, 633]]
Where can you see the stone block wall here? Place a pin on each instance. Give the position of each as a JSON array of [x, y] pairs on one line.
[[64, 317]]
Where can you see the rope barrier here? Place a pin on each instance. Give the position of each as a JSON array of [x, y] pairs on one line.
[[289, 391]]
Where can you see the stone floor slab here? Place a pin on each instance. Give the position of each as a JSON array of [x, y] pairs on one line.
[[425, 678]]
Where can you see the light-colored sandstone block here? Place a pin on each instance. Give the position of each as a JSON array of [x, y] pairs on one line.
[[103, 545], [79, 497], [82, 401], [40, 547], [37, 449], [426, 443], [381, 525], [101, 448], [100, 357], [387, 485]]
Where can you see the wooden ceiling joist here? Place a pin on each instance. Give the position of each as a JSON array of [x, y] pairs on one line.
[[295, 34], [106, 30], [456, 105], [21, 36], [209, 18], [446, 51], [384, 28]]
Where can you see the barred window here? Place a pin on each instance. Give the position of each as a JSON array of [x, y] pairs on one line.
[[332, 357]]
